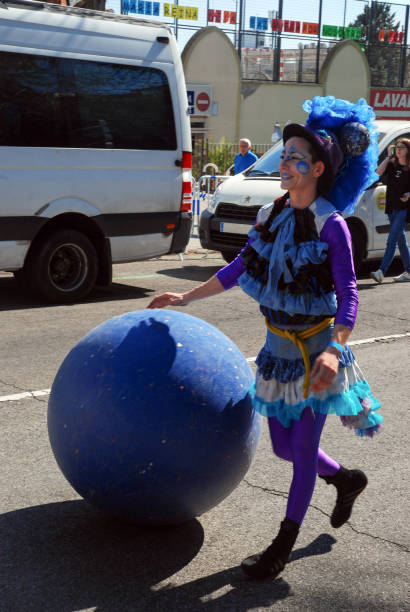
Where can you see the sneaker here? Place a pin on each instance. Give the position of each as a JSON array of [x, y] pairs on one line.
[[377, 276], [402, 278]]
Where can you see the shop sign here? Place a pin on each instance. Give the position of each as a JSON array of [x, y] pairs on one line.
[[390, 103], [303, 27], [391, 35], [199, 99], [215, 16], [141, 7], [181, 12]]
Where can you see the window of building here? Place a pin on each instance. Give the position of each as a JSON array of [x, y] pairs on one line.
[[58, 102]]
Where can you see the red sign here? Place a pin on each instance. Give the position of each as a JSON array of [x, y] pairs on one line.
[[202, 101], [391, 103]]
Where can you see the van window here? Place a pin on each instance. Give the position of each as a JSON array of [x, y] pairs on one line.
[[58, 102]]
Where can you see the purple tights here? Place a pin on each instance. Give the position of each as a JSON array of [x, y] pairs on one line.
[[299, 444]]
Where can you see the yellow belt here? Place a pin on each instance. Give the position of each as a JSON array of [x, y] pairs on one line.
[[298, 340]]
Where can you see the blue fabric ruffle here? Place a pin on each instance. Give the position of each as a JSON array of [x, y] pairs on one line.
[[357, 401], [288, 370], [277, 253]]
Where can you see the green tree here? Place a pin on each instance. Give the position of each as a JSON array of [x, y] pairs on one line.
[[383, 57]]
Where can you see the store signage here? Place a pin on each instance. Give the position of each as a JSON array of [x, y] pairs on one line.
[[390, 103], [303, 27], [141, 7], [391, 35], [215, 16], [181, 12], [145, 7], [199, 98]]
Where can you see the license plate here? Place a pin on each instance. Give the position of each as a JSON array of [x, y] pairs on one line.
[[234, 228]]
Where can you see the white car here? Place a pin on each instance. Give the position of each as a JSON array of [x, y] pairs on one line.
[[224, 225], [95, 145]]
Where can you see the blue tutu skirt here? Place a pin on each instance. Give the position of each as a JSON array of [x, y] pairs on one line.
[[278, 389]]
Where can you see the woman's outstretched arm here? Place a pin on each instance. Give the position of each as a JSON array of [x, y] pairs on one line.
[[211, 287]]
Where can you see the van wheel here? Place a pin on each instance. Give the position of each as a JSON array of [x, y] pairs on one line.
[[229, 255], [63, 267], [359, 246]]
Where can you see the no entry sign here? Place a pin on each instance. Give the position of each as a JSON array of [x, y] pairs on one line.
[[203, 101], [199, 98]]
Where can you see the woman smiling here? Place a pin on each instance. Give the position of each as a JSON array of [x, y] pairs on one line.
[[298, 267]]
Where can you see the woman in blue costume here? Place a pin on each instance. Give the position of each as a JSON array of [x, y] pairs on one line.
[[298, 266]]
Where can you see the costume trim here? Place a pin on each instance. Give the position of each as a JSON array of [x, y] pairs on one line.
[[356, 407], [298, 340]]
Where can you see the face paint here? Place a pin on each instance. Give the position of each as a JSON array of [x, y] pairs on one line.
[[292, 150], [303, 167]]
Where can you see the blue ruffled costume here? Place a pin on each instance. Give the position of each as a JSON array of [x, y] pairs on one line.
[[278, 389]]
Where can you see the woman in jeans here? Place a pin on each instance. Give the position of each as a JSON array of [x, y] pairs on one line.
[[395, 173]]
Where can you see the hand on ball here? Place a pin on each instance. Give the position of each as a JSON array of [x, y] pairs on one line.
[[167, 299]]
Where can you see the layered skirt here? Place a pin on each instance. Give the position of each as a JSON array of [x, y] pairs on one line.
[[278, 390]]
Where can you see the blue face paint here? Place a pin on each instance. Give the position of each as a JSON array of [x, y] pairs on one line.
[[303, 166]]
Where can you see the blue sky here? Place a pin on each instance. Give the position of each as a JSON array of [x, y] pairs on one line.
[[334, 12]]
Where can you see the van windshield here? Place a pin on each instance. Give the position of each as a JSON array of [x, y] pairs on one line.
[[268, 165]]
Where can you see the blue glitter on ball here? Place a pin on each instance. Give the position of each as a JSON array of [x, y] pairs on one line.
[[354, 138]]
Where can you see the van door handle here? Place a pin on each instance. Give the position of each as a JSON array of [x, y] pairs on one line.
[[178, 162]]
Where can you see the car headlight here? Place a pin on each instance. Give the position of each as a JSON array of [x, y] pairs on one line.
[[213, 202]]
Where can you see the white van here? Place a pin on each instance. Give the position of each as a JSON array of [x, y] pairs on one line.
[[231, 212], [95, 145]]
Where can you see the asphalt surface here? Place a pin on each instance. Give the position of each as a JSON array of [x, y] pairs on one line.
[[58, 554]]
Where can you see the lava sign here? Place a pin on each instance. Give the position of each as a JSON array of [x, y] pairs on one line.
[[199, 99], [391, 103]]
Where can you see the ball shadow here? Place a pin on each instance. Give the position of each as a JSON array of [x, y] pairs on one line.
[[68, 556]]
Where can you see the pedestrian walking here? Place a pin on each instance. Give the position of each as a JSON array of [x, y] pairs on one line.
[[245, 157], [395, 173], [298, 266]]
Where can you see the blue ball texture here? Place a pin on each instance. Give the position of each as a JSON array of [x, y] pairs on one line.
[[150, 418]]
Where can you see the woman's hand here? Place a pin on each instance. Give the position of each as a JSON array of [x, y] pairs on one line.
[[405, 197], [324, 370], [167, 299]]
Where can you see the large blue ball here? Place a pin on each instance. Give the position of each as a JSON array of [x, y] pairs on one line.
[[150, 418]]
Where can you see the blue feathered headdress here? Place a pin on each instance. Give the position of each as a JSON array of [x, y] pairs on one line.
[[347, 134]]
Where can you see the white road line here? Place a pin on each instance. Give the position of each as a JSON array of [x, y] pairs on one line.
[[364, 341], [42, 392], [24, 395]]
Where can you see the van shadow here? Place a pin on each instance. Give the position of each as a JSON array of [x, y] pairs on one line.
[[68, 556], [14, 296]]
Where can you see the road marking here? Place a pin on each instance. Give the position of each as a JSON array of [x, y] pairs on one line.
[[24, 395], [364, 341], [43, 392], [120, 278]]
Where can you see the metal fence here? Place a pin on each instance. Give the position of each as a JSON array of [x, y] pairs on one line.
[[220, 155], [289, 40]]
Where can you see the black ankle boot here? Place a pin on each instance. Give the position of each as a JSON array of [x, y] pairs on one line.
[[349, 484], [271, 561]]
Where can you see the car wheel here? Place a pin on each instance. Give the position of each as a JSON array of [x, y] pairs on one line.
[[63, 267], [229, 255], [359, 246]]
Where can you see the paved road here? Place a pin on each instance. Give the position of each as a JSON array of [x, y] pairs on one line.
[[57, 554]]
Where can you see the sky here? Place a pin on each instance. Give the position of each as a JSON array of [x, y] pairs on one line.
[[334, 12]]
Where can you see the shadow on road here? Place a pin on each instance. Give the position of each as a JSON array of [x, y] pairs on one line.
[[15, 297], [196, 273], [68, 556]]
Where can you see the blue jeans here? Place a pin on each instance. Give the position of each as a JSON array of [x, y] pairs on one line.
[[397, 237]]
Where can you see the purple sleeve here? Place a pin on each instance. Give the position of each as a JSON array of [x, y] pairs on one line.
[[336, 233], [228, 276]]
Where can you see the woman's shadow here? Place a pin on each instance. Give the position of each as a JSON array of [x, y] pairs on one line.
[[67, 556]]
